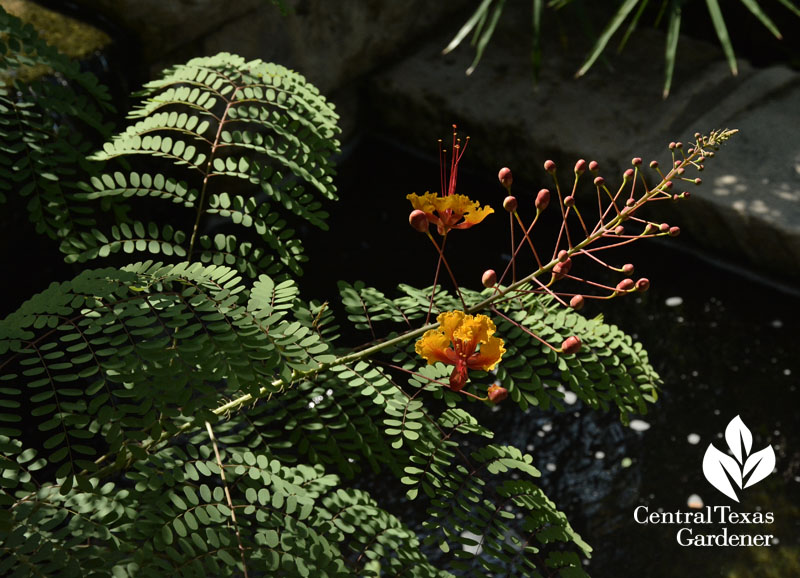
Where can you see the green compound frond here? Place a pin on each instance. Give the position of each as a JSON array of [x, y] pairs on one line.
[[611, 370], [46, 121], [492, 523], [245, 144], [114, 360]]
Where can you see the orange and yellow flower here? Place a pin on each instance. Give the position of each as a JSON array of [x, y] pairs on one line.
[[450, 211], [463, 341]]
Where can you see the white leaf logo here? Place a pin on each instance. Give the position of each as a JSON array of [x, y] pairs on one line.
[[726, 473]]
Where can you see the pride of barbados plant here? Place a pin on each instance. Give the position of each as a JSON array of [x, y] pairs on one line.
[[187, 412]]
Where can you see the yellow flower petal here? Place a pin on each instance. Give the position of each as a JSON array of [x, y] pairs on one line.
[[457, 203], [475, 217], [489, 355], [424, 203], [475, 329], [450, 321], [431, 346]]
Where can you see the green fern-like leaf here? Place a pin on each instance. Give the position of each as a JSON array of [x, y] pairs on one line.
[[45, 127], [114, 358], [245, 144]]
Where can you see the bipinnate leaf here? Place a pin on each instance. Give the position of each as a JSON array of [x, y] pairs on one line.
[[245, 145]]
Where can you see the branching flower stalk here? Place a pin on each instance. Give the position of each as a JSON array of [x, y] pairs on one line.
[[683, 158]]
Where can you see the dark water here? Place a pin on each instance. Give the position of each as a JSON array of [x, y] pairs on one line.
[[724, 344]]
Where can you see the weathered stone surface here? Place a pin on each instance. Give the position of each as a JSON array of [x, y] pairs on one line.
[[164, 26], [329, 42], [750, 207]]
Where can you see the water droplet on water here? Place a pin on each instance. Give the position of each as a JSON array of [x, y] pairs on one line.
[[639, 425], [693, 439], [695, 502], [787, 372], [550, 467], [673, 301], [547, 427], [599, 455]]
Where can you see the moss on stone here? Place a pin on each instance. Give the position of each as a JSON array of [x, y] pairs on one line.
[[72, 37]]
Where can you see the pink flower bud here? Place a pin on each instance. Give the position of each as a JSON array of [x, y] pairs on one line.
[[653, 164], [561, 270], [643, 284], [625, 213], [510, 203], [663, 227], [680, 170], [569, 201], [627, 269], [700, 167], [672, 146], [580, 167], [542, 200], [599, 181], [674, 231], [549, 166], [625, 285], [678, 163], [619, 230], [594, 166], [571, 345], [418, 220], [685, 194], [667, 185], [679, 145], [505, 177], [636, 161], [577, 302], [627, 175], [497, 393], [630, 202], [562, 256], [489, 278], [698, 181], [690, 151]]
